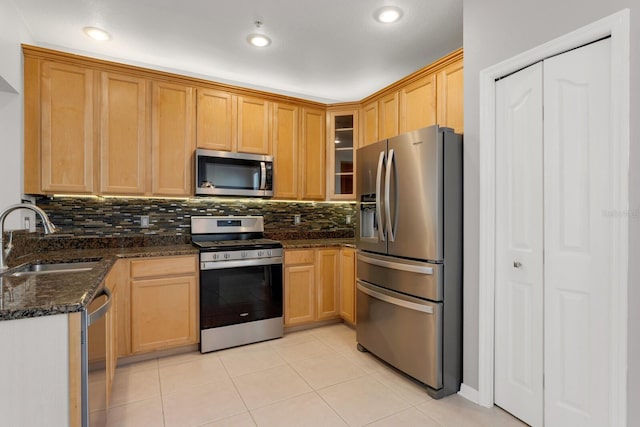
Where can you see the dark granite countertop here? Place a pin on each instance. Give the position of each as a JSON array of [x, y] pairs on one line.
[[318, 243], [48, 294]]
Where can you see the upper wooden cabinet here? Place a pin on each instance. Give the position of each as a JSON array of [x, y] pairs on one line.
[[341, 144], [216, 120], [451, 96], [124, 141], [172, 138], [313, 154], [67, 128], [388, 111], [370, 123], [253, 125], [285, 129], [418, 104]]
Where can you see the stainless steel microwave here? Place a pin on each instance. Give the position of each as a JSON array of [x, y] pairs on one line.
[[221, 173]]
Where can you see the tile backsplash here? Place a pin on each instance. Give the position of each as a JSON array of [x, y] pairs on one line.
[[116, 217]]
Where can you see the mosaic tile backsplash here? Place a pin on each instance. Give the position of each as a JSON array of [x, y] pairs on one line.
[[115, 217]]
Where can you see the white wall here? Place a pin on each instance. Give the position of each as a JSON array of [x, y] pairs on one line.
[[495, 30], [13, 32]]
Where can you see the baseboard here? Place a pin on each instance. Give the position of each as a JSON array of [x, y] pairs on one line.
[[469, 393]]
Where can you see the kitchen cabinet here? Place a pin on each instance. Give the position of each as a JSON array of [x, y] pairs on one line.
[[66, 128], [311, 285], [341, 141], [216, 120], [348, 284], [327, 283], [388, 116], [124, 141], [418, 104], [370, 123], [285, 125], [313, 154], [299, 287], [114, 282], [164, 301], [172, 138], [254, 125], [451, 96]]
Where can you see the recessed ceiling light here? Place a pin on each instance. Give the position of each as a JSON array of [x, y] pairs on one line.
[[388, 14], [97, 33], [259, 40]]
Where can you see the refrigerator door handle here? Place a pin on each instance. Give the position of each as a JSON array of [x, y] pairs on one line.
[[391, 164], [378, 221], [395, 265], [362, 287]]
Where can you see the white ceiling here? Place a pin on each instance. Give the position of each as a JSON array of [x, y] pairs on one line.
[[324, 50]]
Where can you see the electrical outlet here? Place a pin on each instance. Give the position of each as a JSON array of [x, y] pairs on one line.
[[347, 219], [296, 219], [144, 220]]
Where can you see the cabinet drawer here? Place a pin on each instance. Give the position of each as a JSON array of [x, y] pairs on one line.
[[163, 266], [299, 257]]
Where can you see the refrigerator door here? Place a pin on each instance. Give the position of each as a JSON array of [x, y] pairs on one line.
[[370, 173], [414, 194]]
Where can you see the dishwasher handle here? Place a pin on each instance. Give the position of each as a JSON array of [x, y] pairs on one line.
[[362, 287], [99, 312]]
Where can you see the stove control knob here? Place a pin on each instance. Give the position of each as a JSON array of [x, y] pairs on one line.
[[227, 255], [215, 256], [269, 253], [243, 254], [260, 253]]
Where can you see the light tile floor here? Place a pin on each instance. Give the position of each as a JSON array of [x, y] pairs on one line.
[[309, 378]]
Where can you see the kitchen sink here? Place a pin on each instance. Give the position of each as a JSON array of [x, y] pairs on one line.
[[65, 267]]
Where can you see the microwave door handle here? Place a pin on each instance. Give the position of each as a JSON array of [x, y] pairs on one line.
[[379, 223], [391, 164], [263, 176]]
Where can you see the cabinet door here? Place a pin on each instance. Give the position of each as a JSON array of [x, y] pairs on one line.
[[285, 150], [173, 141], [123, 308], [370, 123], [341, 142], [215, 121], [348, 284], [299, 294], [418, 104], [67, 134], [123, 134], [163, 313], [388, 124], [327, 280], [253, 125], [111, 282], [451, 96], [313, 154]]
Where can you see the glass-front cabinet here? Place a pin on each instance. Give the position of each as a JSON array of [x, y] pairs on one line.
[[341, 146]]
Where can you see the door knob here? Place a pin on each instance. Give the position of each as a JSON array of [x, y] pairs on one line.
[[517, 264]]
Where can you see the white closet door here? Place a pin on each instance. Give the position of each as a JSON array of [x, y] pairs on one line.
[[577, 167], [519, 245]]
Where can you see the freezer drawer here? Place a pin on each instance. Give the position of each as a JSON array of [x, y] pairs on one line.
[[405, 332], [422, 279]]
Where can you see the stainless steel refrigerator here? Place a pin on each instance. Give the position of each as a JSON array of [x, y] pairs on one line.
[[409, 262]]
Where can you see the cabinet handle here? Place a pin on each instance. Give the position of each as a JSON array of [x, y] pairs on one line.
[[517, 264]]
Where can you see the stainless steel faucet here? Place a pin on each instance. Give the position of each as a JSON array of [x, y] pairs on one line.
[[46, 223]]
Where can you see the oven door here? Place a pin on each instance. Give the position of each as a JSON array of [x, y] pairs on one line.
[[234, 292]]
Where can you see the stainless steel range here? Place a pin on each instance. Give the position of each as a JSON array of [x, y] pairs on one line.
[[240, 281]]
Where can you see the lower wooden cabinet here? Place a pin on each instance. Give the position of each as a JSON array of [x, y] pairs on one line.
[[312, 285], [348, 285], [163, 303]]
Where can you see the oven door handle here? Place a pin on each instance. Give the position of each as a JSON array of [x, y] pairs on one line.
[[97, 314], [218, 265]]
